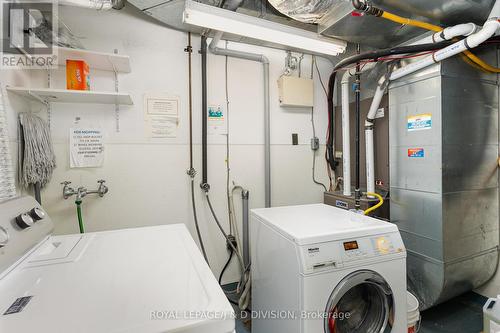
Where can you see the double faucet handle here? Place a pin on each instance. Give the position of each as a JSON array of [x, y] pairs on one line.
[[82, 191]]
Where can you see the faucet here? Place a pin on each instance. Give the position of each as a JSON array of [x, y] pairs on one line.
[[82, 192], [103, 189], [67, 190]]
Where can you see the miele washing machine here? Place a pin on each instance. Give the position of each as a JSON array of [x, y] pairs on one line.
[[151, 279], [322, 269]]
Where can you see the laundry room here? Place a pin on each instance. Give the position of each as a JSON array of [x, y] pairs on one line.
[[249, 166]]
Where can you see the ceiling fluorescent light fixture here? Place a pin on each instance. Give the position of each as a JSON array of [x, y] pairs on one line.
[[215, 18]]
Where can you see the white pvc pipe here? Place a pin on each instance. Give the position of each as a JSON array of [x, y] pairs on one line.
[[474, 39], [370, 162], [370, 151], [346, 136]]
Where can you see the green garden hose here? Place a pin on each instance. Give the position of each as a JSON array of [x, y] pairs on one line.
[[79, 214]]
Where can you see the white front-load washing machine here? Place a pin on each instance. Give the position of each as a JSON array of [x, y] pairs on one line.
[[321, 269]]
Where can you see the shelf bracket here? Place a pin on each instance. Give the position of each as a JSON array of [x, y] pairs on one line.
[[47, 103], [117, 105], [44, 102]]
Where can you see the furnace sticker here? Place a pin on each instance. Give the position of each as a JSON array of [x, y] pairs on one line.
[[416, 152], [420, 122]]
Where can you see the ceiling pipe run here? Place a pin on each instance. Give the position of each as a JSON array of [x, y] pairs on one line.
[[267, 114]]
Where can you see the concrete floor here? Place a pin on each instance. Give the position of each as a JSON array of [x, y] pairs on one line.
[[463, 314]]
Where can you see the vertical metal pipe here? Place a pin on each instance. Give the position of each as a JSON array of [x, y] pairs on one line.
[[204, 110], [38, 192], [267, 136], [189, 50], [246, 230], [358, 130]]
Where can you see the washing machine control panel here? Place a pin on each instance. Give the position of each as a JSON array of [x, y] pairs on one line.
[[338, 254], [23, 225]]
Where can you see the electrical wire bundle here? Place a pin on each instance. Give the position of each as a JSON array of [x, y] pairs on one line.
[[37, 159]]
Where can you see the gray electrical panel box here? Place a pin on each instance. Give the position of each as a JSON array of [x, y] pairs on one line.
[[443, 136]]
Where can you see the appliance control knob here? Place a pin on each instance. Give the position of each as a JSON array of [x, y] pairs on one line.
[[4, 237], [24, 221], [37, 214]]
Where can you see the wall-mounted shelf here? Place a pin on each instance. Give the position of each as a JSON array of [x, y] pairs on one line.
[[96, 60], [73, 96]]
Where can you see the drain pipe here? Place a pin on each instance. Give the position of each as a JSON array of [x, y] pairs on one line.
[[357, 93], [490, 28], [246, 232], [204, 117], [346, 135], [267, 114]]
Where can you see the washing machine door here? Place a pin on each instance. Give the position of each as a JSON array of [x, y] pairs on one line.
[[361, 302]]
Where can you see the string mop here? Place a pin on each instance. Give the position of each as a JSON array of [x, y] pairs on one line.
[[37, 160]]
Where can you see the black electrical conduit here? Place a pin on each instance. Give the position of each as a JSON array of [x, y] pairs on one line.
[[371, 55]]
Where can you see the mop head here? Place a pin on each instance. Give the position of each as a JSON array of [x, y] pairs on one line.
[[37, 160]]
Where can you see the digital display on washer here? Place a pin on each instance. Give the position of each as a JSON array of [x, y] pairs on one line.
[[348, 246]]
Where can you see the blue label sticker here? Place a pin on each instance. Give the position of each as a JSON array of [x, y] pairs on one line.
[[420, 122], [416, 152], [341, 204]]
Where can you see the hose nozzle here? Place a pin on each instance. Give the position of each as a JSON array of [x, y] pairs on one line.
[[365, 6]]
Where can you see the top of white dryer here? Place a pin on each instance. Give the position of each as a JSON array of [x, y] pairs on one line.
[[147, 280], [320, 223]]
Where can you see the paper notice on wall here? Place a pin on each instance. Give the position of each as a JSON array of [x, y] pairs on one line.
[[86, 147], [161, 115], [216, 120]]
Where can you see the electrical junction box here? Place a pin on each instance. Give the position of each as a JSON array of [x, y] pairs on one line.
[[296, 92]]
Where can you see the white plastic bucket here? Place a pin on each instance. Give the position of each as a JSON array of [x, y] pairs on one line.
[[413, 313]]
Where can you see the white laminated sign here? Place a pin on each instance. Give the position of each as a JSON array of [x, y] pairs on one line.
[[86, 147]]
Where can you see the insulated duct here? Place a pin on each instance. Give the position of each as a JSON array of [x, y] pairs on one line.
[[307, 11], [94, 4]]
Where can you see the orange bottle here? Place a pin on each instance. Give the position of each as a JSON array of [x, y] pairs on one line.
[[77, 75]]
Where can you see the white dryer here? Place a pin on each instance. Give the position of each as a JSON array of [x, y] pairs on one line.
[[321, 269], [148, 280]]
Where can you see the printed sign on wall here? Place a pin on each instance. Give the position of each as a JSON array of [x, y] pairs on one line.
[[86, 147], [161, 115], [216, 120], [420, 122]]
